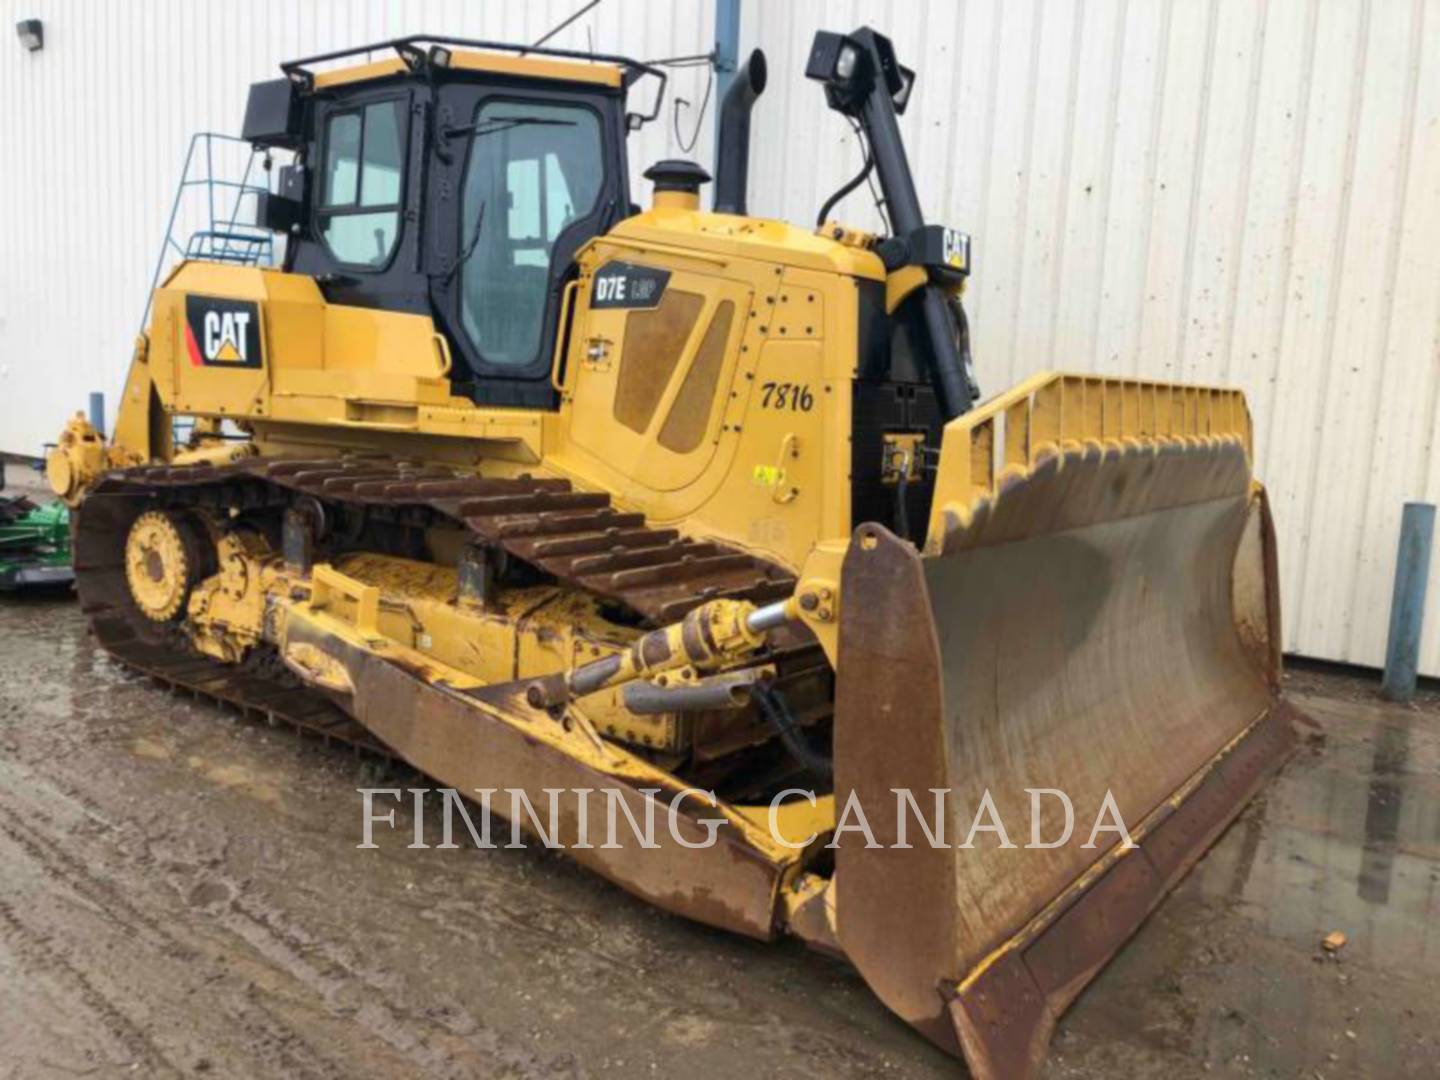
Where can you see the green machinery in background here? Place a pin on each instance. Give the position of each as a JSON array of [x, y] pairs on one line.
[[34, 544]]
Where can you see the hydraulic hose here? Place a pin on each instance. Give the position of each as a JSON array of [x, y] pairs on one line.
[[858, 179], [776, 711]]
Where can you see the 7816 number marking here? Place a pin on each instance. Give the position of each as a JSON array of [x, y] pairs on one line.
[[783, 395]]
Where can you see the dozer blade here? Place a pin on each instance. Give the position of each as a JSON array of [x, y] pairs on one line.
[[1094, 613]]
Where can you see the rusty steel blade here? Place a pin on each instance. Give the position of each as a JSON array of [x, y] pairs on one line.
[[1104, 624]]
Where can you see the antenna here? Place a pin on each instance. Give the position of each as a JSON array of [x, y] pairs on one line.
[[562, 25]]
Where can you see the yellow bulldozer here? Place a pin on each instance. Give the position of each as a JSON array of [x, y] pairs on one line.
[[534, 488]]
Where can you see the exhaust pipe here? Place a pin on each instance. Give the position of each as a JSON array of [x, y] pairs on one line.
[[732, 155]]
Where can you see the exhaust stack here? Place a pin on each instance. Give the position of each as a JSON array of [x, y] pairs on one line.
[[732, 155]]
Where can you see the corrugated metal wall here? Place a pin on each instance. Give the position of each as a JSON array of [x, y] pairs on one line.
[[1213, 190]]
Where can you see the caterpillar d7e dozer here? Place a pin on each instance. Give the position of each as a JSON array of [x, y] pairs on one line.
[[535, 489]]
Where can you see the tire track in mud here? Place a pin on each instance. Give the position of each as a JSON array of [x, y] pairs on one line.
[[287, 1048], [32, 947], [342, 988], [439, 1049], [447, 1040], [49, 853]]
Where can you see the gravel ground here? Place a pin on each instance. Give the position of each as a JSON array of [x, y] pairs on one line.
[[181, 893]]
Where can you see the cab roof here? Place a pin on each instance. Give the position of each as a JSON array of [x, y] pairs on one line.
[[525, 67]]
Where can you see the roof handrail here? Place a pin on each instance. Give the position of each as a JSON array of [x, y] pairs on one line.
[[410, 50]]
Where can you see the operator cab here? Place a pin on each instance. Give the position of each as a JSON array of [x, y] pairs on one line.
[[453, 183]]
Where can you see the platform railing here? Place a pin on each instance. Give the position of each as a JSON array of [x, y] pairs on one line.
[[222, 235]]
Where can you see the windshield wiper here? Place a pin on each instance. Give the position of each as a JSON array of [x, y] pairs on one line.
[[502, 123]]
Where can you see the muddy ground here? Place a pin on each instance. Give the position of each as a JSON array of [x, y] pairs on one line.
[[181, 893]]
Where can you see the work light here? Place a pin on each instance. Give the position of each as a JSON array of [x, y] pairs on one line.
[[844, 66], [849, 65]]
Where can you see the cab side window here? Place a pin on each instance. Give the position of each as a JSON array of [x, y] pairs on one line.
[[364, 155]]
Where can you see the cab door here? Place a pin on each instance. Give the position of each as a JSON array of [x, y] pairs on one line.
[[524, 174]]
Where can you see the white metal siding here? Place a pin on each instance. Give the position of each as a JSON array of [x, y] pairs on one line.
[[1210, 190]]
